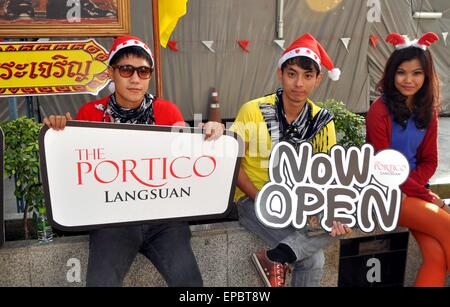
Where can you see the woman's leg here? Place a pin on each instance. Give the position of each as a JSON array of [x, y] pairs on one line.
[[429, 219], [433, 271]]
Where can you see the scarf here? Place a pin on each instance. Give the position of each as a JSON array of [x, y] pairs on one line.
[[305, 128], [141, 115]]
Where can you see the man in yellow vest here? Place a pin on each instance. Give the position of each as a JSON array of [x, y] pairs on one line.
[[286, 115]]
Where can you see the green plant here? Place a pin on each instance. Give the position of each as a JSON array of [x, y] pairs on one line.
[[21, 159], [350, 127]]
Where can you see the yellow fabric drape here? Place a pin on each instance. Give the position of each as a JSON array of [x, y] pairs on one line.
[[170, 11]]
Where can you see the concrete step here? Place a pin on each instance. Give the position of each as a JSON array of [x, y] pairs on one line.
[[222, 251]]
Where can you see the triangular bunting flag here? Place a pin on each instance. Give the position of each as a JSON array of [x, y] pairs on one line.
[[208, 45], [172, 45], [346, 41], [374, 40], [280, 43], [444, 35], [243, 43]]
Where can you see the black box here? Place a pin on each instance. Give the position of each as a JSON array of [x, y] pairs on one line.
[[388, 252]]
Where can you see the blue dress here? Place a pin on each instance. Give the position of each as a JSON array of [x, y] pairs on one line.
[[407, 140]]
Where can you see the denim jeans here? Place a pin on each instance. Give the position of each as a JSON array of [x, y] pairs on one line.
[[308, 267], [112, 251]]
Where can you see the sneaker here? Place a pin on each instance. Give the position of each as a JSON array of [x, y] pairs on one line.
[[272, 273]]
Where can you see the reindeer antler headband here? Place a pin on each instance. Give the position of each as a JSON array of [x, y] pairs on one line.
[[401, 42]]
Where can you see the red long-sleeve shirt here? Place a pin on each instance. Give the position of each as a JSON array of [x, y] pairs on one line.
[[379, 132]]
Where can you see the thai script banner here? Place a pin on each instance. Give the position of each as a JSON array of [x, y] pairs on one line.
[[52, 68]]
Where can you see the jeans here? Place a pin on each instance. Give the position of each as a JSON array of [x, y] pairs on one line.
[[167, 246], [308, 268]]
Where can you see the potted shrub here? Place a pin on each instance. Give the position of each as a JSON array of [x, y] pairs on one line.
[[21, 158], [350, 127]]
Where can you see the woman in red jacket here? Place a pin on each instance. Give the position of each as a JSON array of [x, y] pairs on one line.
[[405, 118]]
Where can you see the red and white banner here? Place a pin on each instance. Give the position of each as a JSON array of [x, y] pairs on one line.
[[100, 174]]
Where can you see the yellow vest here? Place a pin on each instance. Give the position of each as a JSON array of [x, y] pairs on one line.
[[252, 128]]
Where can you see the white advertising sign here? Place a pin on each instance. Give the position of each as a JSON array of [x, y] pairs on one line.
[[100, 174]]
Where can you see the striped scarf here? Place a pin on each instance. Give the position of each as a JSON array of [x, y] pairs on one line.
[[305, 128]]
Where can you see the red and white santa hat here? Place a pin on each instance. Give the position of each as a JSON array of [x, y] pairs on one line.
[[306, 45], [402, 42], [129, 41]]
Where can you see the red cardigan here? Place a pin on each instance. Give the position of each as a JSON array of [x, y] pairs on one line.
[[379, 132], [166, 113]]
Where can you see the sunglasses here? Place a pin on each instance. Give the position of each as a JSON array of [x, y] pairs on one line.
[[126, 71]]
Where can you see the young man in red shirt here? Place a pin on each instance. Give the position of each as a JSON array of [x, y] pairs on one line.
[[167, 245]]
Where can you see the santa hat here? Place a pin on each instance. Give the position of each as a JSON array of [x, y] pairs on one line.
[[402, 42], [129, 41], [122, 42], [307, 46]]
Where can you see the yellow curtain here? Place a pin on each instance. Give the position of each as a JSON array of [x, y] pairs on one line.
[[170, 11]]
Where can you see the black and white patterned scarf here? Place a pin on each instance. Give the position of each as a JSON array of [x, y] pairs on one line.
[[141, 115], [303, 129]]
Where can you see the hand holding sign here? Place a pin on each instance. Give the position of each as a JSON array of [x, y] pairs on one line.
[[212, 130], [57, 122], [339, 229]]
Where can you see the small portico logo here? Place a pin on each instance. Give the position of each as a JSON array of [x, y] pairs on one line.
[[349, 185]]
